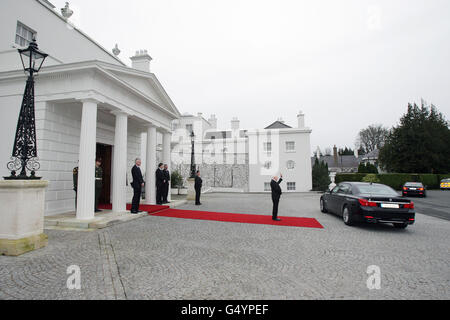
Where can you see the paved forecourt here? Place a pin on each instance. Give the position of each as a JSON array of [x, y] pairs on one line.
[[167, 258]]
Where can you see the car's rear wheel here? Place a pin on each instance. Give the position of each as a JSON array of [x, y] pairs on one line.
[[347, 216], [323, 208], [400, 225]]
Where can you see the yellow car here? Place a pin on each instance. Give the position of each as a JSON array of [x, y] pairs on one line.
[[445, 184]]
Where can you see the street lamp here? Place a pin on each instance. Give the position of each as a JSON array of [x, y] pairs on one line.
[[192, 155], [24, 154]]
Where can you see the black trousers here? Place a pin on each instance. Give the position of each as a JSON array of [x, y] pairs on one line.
[[98, 191], [165, 192], [275, 201], [198, 192], [159, 194], [136, 199]]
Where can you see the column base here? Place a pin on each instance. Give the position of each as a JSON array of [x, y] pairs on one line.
[[9, 247]]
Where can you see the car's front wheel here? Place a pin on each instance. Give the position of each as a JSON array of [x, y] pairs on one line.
[[323, 208], [400, 225], [347, 216]]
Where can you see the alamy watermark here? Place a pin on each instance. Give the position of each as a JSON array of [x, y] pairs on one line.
[[74, 279], [374, 280]]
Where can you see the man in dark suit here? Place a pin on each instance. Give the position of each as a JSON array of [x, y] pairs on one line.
[[137, 184], [198, 188], [160, 180], [166, 184], [276, 193]]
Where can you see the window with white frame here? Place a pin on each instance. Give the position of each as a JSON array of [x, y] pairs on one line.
[[268, 164], [290, 164], [267, 186], [189, 128], [290, 146], [24, 35], [290, 186], [267, 146]]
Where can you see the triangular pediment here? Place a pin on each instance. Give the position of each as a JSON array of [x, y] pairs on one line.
[[147, 84]]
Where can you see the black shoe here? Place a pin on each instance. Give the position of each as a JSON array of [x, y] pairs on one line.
[[276, 219], [198, 204], [133, 212], [98, 210]]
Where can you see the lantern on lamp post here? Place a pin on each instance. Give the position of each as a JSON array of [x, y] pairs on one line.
[[24, 154], [192, 155]]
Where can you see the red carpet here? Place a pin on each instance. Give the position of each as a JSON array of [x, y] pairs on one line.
[[240, 218], [150, 208]]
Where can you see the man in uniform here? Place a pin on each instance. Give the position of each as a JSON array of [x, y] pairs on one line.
[[98, 182], [75, 183], [198, 188], [166, 184]]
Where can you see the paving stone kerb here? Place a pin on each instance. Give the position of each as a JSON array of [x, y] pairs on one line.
[[166, 258]]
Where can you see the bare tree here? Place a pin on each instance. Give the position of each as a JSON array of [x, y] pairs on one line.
[[372, 137]]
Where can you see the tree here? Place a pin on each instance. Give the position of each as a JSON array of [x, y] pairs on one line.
[[320, 176], [419, 144], [346, 152], [367, 168], [372, 137]]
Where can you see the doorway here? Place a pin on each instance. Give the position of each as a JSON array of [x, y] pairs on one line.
[[104, 151]]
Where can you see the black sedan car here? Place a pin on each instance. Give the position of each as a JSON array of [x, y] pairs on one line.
[[368, 202], [414, 189]]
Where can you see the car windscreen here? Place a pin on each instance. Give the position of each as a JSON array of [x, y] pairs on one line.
[[413, 184], [445, 180], [376, 189]]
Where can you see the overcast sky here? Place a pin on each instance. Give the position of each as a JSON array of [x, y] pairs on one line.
[[345, 63]]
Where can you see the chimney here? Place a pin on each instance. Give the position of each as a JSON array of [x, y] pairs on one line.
[[213, 121], [199, 114], [141, 61], [234, 124], [335, 155], [301, 120]]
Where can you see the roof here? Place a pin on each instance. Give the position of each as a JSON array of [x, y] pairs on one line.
[[48, 5], [278, 125]]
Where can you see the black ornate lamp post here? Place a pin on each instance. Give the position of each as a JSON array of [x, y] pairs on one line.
[[192, 155], [24, 154]]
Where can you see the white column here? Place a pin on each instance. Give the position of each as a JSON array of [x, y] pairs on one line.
[[167, 138], [119, 190], [86, 166], [150, 188]]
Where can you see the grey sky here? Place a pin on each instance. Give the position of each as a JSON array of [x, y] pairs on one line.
[[346, 64]]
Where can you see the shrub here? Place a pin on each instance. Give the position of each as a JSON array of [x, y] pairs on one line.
[[176, 179], [349, 177], [371, 177]]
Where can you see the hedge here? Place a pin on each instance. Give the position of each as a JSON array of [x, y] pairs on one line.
[[396, 180]]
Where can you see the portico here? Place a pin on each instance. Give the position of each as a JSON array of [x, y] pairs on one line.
[[81, 104]]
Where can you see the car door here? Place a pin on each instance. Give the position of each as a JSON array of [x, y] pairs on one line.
[[331, 199], [341, 196]]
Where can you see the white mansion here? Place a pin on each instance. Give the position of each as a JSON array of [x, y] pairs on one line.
[[88, 103], [244, 159]]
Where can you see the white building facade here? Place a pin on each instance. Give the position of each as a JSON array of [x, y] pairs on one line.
[[88, 104], [244, 159]]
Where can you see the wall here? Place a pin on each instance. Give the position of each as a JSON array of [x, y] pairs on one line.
[[63, 43]]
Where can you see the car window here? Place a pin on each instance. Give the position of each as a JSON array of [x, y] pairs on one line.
[[335, 190], [344, 188], [376, 189]]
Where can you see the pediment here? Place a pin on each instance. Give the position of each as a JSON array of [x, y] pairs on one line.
[[149, 86]]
